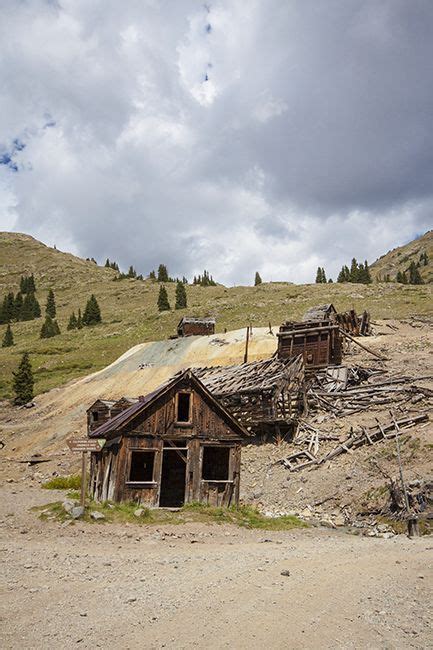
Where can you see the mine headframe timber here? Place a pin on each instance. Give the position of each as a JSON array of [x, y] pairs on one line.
[[176, 445], [189, 326], [319, 343], [349, 321], [265, 396]]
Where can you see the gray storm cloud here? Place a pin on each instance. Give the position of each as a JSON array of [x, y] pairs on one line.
[[235, 136]]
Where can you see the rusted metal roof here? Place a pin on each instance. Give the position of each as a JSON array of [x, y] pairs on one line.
[[188, 320]]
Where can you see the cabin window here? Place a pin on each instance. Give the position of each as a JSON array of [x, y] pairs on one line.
[[95, 416], [141, 466], [183, 407], [216, 462], [313, 338]]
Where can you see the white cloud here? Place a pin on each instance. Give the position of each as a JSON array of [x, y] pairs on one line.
[[233, 136]]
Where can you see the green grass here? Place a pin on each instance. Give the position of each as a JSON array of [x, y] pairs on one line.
[[243, 516], [72, 482], [130, 315]]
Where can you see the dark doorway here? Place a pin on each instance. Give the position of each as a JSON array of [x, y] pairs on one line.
[[173, 478]]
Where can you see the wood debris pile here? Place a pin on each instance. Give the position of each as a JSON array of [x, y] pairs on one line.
[[336, 392], [311, 437]]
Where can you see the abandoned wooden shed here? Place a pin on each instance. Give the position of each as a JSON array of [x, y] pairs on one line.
[[319, 342], [98, 413], [265, 396], [196, 326], [176, 445]]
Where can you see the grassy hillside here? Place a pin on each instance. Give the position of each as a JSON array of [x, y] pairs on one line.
[[130, 314], [400, 258]]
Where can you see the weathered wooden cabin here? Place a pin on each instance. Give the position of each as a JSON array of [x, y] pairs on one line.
[[196, 326], [265, 396], [98, 413], [176, 445], [319, 342]]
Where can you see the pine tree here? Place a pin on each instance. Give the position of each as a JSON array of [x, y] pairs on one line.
[[152, 275], [27, 284], [323, 275], [181, 301], [132, 273], [257, 279], [163, 304], [50, 308], [8, 339], [49, 328], [343, 276], [330, 281], [414, 274], [23, 381], [79, 321], [354, 271], [72, 324], [107, 264], [8, 308], [318, 275], [36, 308], [18, 306], [162, 273], [367, 274], [31, 286], [92, 312]]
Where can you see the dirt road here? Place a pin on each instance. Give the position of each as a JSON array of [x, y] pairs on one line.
[[202, 586]]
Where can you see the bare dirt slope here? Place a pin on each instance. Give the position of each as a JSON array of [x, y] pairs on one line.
[[196, 586], [61, 412]]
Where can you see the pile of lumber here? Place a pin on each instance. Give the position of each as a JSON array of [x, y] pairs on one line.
[[341, 402], [310, 437]]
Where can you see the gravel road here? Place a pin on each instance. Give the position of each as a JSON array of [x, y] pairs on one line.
[[196, 586]]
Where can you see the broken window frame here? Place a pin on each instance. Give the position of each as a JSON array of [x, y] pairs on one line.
[[183, 422], [141, 450], [230, 477]]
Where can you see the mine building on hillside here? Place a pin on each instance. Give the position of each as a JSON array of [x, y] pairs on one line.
[[196, 326], [319, 343], [176, 445], [98, 413], [320, 313], [265, 396]]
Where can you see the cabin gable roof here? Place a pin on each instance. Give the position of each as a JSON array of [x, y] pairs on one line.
[[120, 421]]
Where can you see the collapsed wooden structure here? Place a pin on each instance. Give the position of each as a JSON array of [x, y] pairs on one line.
[[189, 326], [176, 445], [349, 321], [265, 396], [308, 457]]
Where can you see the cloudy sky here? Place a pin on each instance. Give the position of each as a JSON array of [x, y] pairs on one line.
[[233, 135]]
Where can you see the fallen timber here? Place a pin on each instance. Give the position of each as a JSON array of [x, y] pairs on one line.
[[340, 400], [367, 435]]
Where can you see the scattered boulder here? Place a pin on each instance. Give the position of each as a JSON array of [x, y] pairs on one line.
[[97, 516], [139, 512], [77, 512]]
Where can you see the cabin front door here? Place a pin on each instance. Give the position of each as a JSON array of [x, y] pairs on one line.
[[173, 476]]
